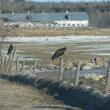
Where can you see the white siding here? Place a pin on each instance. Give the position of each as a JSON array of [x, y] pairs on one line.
[[71, 24]]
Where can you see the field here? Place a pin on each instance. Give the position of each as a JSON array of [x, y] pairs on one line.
[[56, 32], [14, 96], [83, 51], [75, 51], [44, 52], [80, 96], [18, 97]]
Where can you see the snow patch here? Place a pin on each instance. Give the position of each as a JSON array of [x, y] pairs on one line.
[[58, 39]]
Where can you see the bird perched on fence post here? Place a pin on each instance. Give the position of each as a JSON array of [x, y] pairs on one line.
[[58, 53], [10, 49]]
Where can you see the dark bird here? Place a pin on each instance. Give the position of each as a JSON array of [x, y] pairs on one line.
[[66, 17], [58, 53], [28, 17], [10, 49]]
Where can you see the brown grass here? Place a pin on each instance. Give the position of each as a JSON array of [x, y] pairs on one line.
[[18, 97], [58, 32], [45, 51]]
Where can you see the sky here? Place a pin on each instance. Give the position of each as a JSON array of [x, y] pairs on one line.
[[66, 0]]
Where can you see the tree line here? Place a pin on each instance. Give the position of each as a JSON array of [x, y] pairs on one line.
[[18, 6]]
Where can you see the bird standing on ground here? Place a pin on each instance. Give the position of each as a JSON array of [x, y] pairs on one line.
[[58, 53], [10, 49]]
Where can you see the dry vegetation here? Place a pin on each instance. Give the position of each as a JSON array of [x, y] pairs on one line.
[[45, 51], [86, 98], [19, 97], [58, 32]]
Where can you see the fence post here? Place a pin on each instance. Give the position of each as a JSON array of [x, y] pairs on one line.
[[17, 62], [12, 59], [2, 65], [107, 78], [8, 63], [5, 60], [77, 73], [22, 66], [61, 63], [35, 64]]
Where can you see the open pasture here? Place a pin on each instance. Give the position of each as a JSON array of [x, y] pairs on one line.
[[84, 51], [57, 32]]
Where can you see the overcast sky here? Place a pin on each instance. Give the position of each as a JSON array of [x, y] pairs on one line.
[[66, 0]]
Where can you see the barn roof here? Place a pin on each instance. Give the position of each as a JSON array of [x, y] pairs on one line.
[[46, 17]]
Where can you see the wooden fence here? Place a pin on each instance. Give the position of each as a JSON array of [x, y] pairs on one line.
[[16, 64]]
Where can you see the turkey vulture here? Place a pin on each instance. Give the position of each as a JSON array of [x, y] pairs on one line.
[[58, 53], [10, 49]]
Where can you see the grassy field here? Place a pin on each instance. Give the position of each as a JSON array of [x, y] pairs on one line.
[[74, 96], [19, 97], [44, 52], [56, 32]]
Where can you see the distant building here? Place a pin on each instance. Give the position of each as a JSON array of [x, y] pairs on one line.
[[71, 23], [54, 20]]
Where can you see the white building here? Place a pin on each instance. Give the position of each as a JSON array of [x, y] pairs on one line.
[[71, 23], [53, 20], [26, 25], [70, 20]]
